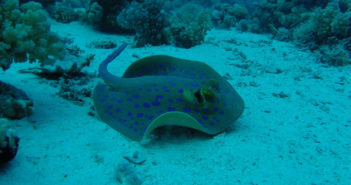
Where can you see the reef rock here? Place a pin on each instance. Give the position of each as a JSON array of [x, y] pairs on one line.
[[14, 103]]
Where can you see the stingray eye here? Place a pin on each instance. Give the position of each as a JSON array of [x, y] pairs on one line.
[[208, 95], [204, 95], [199, 96]]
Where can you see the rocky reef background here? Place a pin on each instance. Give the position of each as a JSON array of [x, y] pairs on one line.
[[321, 26]]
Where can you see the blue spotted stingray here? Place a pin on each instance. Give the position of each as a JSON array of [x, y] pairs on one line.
[[161, 90]]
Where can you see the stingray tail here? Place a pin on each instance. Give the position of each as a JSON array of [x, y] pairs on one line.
[[103, 72]]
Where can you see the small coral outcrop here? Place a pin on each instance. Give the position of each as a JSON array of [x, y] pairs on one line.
[[325, 25], [226, 15], [189, 26], [155, 24], [94, 14], [14, 103], [148, 19], [101, 14], [45, 3], [327, 31], [322, 26], [63, 13], [8, 142], [25, 34]]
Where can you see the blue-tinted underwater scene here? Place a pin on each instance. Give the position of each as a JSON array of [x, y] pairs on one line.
[[175, 92]]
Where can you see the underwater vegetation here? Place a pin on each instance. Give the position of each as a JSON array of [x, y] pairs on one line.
[[44, 3], [153, 24], [189, 26], [148, 20], [226, 15], [25, 34], [101, 14], [67, 3], [322, 26]]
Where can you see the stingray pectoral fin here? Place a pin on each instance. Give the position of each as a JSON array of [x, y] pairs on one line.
[[174, 118]]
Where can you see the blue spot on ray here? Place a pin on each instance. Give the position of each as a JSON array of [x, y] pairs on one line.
[[159, 96], [179, 99], [155, 103], [146, 105], [205, 117], [187, 109]]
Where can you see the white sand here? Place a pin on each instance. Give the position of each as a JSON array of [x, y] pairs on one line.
[[304, 138]]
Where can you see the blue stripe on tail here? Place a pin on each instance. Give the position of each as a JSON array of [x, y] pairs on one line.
[[103, 72]]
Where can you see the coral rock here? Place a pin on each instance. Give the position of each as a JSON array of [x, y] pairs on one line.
[[14, 103]]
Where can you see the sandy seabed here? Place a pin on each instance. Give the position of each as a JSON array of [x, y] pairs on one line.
[[295, 129]]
